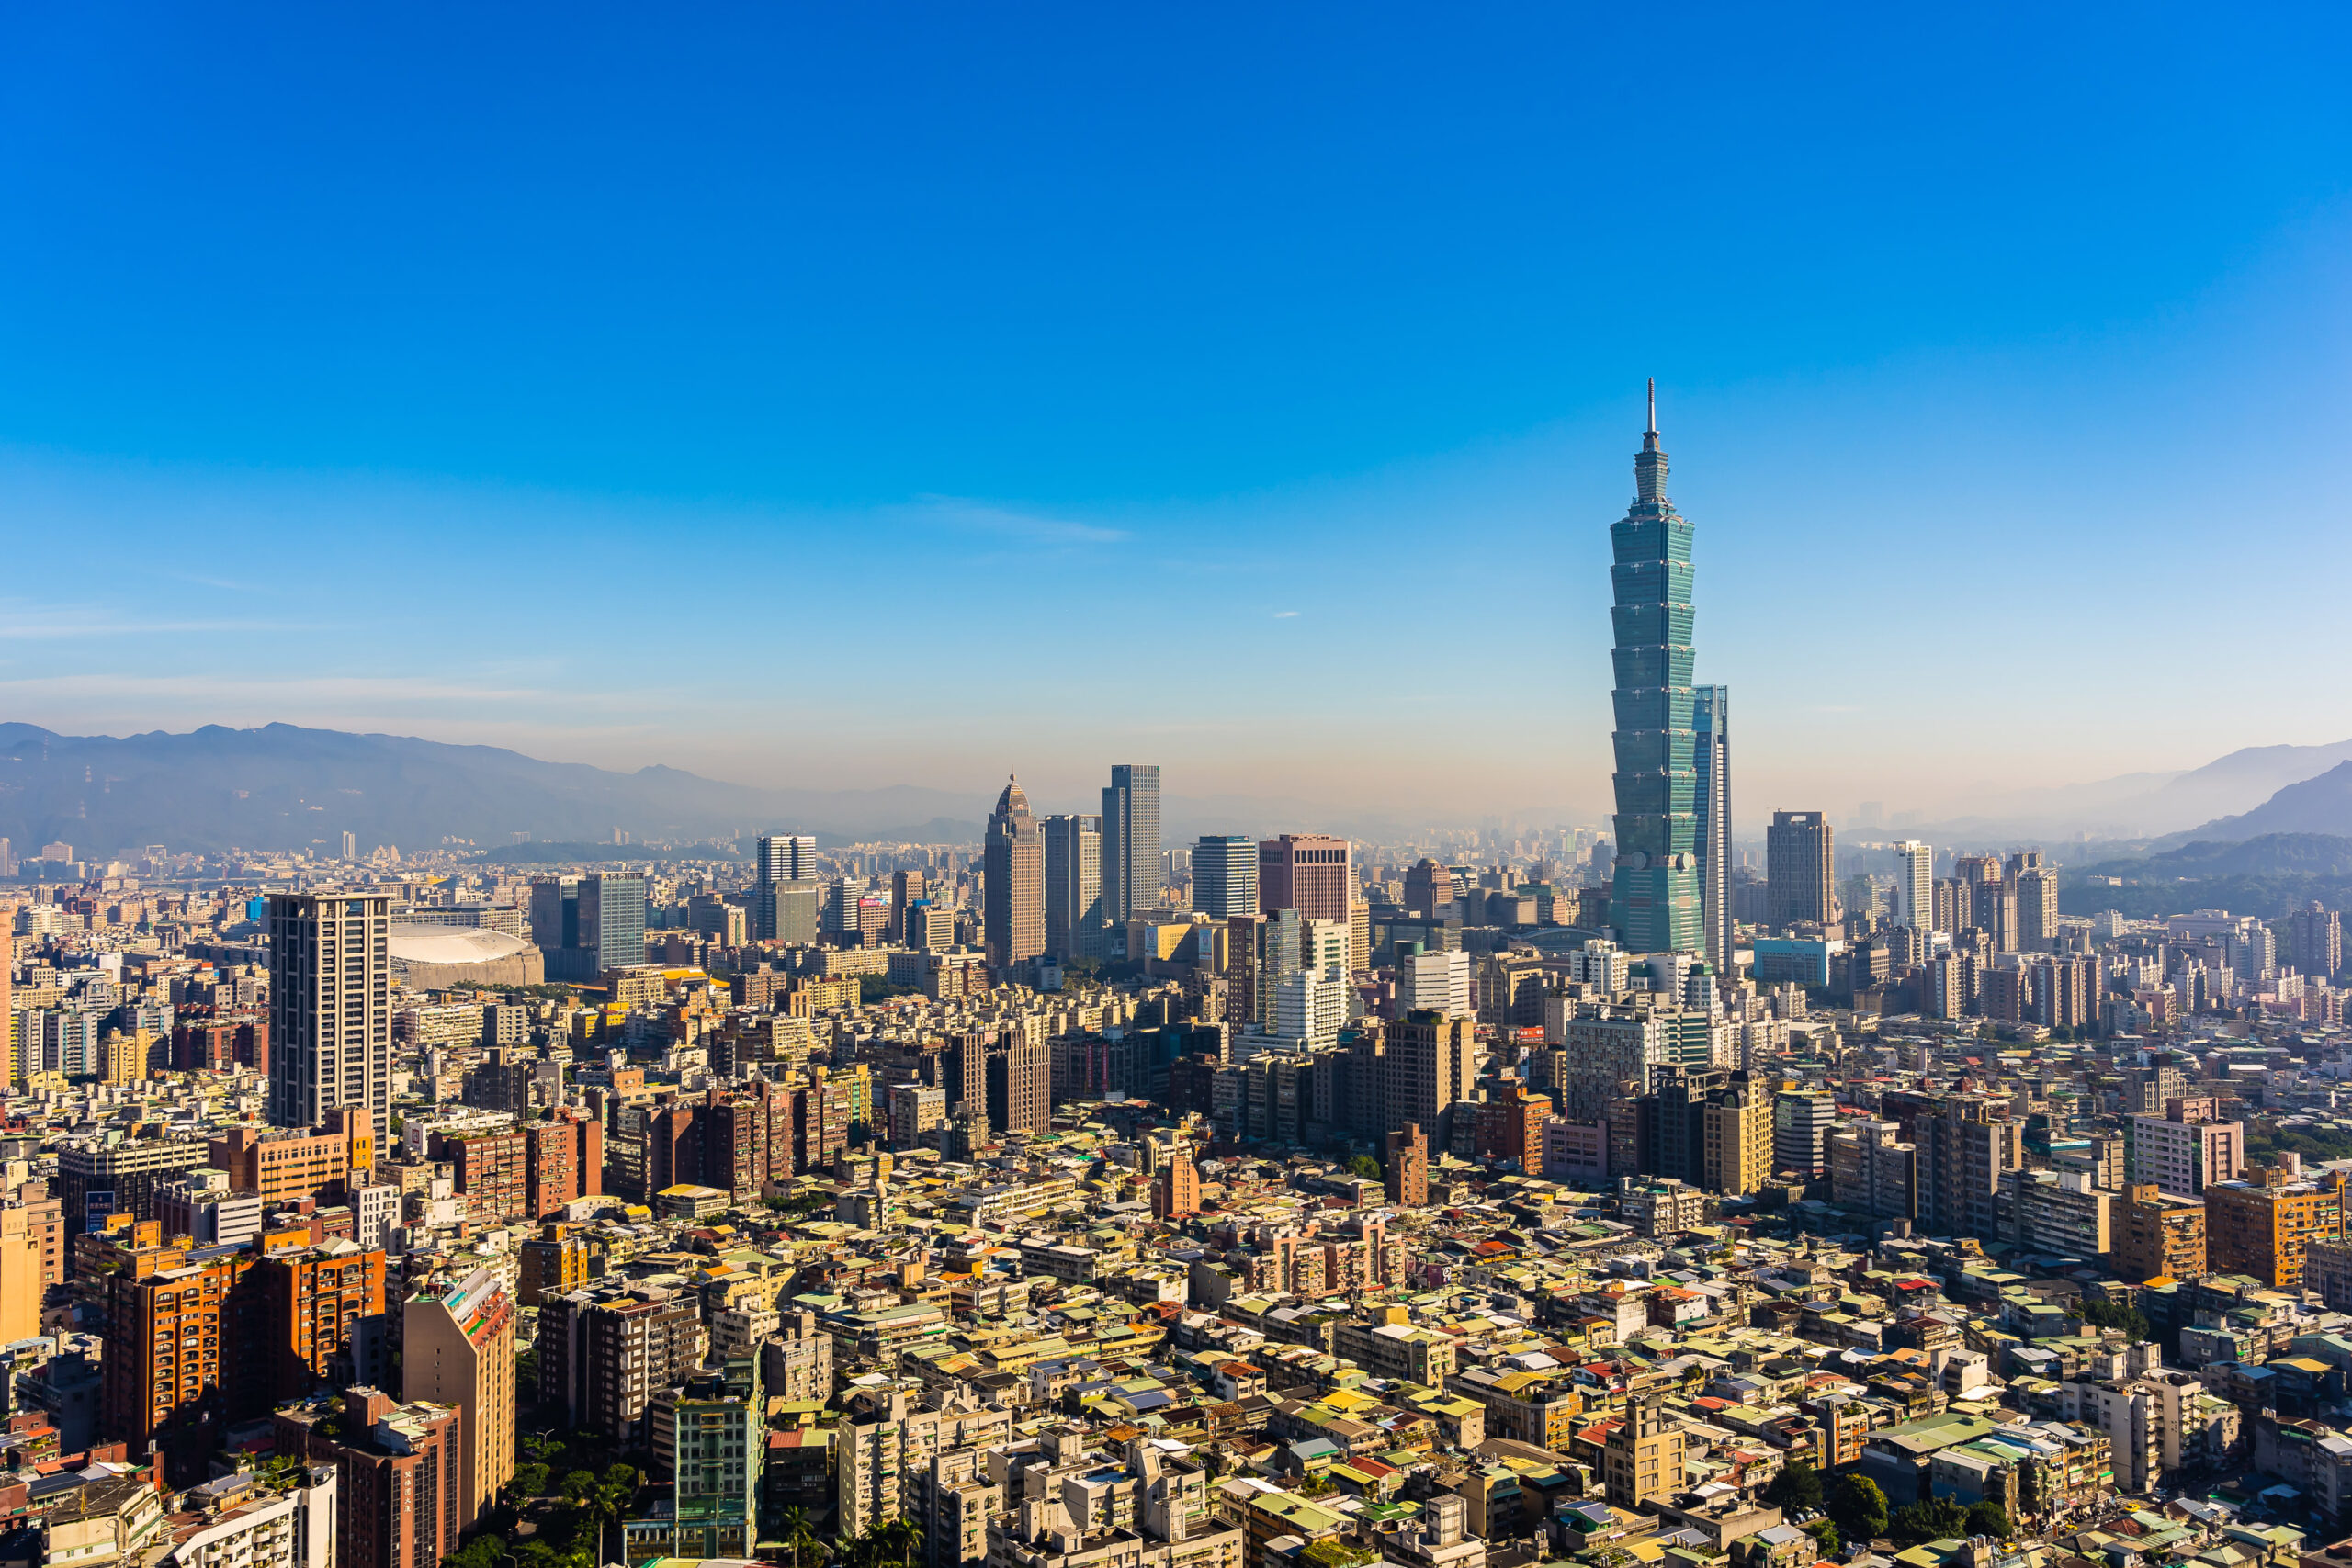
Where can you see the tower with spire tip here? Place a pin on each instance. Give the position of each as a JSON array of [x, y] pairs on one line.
[[1012, 883], [1654, 898]]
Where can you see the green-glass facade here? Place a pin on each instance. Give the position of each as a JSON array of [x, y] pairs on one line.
[[1654, 900]]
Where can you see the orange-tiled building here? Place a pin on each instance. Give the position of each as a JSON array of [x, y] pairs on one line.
[[320, 1313], [2158, 1235], [284, 1164], [167, 1351], [2262, 1226]]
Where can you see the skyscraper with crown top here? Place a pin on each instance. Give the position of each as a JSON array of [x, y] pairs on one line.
[[1012, 883], [1654, 900]]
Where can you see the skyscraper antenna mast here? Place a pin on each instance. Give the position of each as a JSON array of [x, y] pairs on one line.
[[1653, 429]]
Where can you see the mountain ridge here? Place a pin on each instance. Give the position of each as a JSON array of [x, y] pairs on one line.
[[2319, 805], [281, 787]]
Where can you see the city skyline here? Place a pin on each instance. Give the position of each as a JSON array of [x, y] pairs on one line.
[[515, 1052], [1984, 376]]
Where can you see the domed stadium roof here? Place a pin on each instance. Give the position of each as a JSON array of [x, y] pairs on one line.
[[453, 944]]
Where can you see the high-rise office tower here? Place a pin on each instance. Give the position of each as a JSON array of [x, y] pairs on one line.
[[1435, 982], [1431, 1061], [1225, 875], [1074, 926], [330, 1006], [1323, 949], [586, 925], [1711, 756], [786, 857], [612, 920], [350, 846], [1798, 855], [1281, 951], [1312, 873], [1019, 1072], [906, 887], [1915, 886], [1131, 863], [784, 890], [1429, 888], [1306, 872], [555, 913], [1013, 876], [1654, 893]]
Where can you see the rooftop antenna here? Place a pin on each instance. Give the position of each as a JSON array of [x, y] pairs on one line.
[[1653, 429]]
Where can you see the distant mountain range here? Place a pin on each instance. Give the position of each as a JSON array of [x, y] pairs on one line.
[[2265, 876], [2272, 854], [2320, 805], [283, 787], [2136, 806]]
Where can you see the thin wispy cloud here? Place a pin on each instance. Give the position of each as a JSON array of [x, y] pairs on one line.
[[1285, 615], [26, 623], [981, 518], [307, 689]]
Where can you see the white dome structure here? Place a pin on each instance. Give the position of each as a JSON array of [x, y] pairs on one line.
[[438, 957]]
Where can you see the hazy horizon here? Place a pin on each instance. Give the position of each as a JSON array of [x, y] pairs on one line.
[[835, 403]]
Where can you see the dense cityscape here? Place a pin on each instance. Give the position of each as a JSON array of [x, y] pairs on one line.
[[1604, 1193]]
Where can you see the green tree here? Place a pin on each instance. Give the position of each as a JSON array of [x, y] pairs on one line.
[[2114, 1314], [1797, 1489], [799, 1539], [1825, 1535], [608, 1502], [1935, 1518], [1858, 1509], [1989, 1518], [1365, 1167]]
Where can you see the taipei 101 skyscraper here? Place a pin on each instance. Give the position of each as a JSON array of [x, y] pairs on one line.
[[1653, 902]]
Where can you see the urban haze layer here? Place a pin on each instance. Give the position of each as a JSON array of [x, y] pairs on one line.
[[1079, 1199]]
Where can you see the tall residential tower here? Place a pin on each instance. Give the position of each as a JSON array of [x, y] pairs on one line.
[[1655, 895], [330, 1006], [1915, 886], [1131, 865], [1711, 721]]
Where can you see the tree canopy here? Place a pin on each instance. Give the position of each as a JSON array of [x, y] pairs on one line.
[[1858, 1509], [1797, 1489], [1935, 1518], [2114, 1314]]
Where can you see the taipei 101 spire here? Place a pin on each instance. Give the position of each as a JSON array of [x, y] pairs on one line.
[[1654, 900]]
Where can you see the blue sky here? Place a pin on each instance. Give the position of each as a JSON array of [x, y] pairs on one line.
[[858, 396]]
